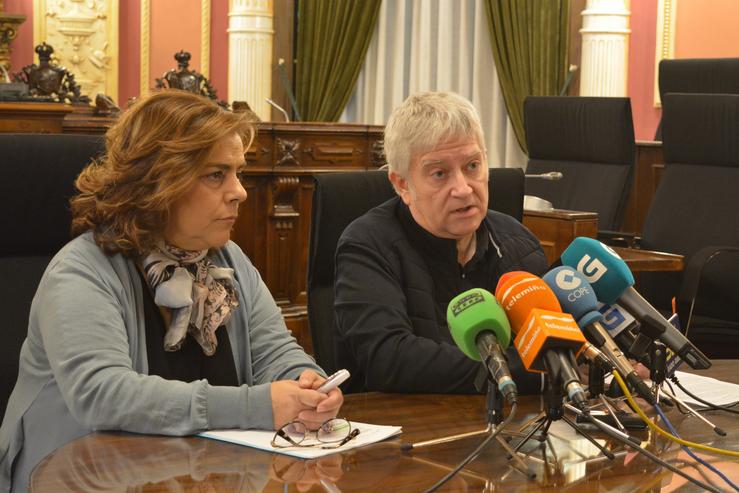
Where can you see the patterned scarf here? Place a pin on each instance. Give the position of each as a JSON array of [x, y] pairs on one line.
[[200, 295]]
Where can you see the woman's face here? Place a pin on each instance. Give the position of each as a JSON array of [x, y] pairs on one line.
[[203, 217]]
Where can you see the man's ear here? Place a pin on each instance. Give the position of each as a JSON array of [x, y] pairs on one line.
[[400, 184]]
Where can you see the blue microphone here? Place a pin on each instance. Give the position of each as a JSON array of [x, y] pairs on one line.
[[613, 282], [576, 296]]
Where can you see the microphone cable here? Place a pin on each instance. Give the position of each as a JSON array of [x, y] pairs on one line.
[[662, 432], [711, 406], [475, 452], [677, 405], [602, 427], [690, 452]]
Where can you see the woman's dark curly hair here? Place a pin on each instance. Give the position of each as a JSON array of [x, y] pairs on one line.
[[154, 154]]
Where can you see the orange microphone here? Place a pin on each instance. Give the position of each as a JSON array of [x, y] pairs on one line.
[[545, 337], [519, 292]]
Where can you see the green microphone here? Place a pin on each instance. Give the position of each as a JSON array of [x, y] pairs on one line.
[[480, 328]]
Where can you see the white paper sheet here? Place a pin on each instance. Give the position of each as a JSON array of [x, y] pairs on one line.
[[261, 440], [707, 388]]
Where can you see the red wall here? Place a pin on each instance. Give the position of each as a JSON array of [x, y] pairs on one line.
[[167, 37], [642, 46], [693, 40], [219, 47], [129, 46], [22, 46]]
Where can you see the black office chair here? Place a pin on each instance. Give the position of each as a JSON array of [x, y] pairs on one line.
[[697, 75], [591, 142], [38, 179], [693, 213], [338, 199]]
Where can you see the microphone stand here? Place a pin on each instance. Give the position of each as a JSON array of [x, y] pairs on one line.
[[658, 375], [554, 411], [597, 391], [495, 416]]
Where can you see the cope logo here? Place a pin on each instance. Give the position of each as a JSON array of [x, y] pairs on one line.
[[569, 280], [592, 268], [566, 279]]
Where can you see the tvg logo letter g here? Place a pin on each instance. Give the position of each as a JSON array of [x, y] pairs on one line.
[[592, 269]]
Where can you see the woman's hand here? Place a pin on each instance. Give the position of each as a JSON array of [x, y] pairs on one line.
[[291, 400], [328, 407]]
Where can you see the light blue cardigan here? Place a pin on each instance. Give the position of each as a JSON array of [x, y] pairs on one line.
[[83, 365]]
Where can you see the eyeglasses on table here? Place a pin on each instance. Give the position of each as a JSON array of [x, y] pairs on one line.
[[333, 433]]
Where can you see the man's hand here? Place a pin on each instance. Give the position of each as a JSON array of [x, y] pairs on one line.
[[299, 400]]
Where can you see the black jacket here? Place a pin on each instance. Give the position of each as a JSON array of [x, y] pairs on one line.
[[393, 283]]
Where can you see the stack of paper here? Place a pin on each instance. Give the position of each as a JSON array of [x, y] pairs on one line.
[[261, 440]]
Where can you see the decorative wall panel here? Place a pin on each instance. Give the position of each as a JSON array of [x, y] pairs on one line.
[[84, 34]]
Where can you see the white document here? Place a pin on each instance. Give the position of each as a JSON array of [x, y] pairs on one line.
[[261, 440], [707, 388]]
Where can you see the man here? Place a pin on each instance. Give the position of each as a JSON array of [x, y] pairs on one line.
[[399, 265]]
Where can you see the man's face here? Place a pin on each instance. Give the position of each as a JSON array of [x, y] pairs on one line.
[[447, 188]]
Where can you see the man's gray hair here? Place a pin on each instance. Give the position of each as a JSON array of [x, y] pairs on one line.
[[423, 121]]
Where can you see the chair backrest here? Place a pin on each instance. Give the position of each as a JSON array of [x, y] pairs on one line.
[[38, 179], [591, 142], [340, 198], [696, 200], [697, 75]]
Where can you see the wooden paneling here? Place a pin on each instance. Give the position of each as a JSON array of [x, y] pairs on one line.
[[649, 166], [32, 117], [282, 49]]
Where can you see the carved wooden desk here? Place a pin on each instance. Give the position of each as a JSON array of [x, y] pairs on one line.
[[125, 462]]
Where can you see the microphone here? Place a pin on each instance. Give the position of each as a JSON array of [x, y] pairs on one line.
[[481, 330], [577, 297], [551, 176], [278, 108], [518, 317], [621, 325], [612, 281], [545, 337], [592, 353]]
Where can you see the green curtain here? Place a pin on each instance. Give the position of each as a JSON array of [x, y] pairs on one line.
[[333, 36], [529, 39]]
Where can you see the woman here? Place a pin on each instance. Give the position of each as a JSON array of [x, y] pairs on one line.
[[151, 320]]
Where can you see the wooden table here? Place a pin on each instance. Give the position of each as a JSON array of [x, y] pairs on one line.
[[128, 462], [650, 261], [556, 229]]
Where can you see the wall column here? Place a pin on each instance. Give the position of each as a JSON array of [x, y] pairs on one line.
[[250, 33], [605, 48]]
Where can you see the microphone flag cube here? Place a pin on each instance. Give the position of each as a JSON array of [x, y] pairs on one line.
[[544, 330]]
